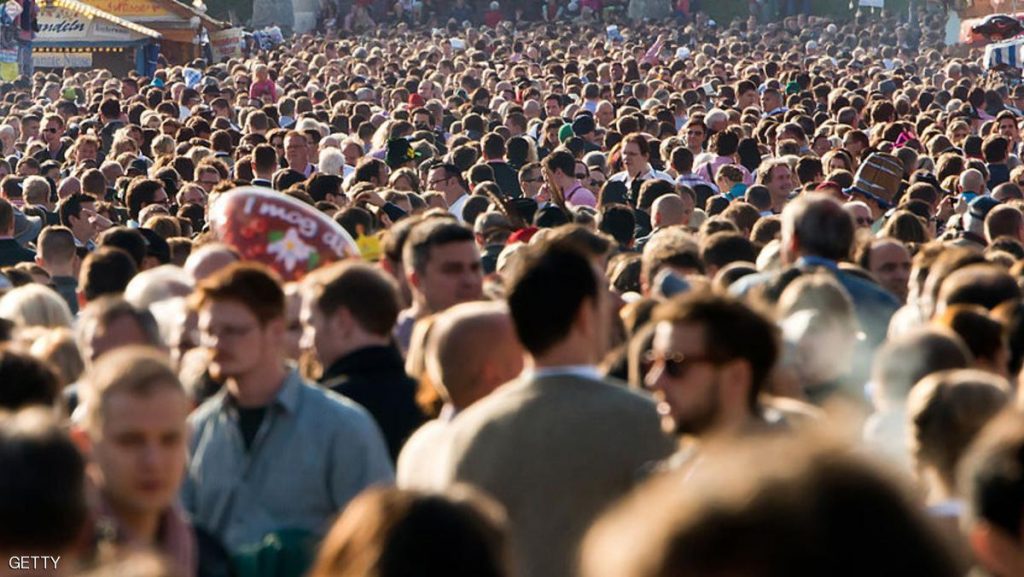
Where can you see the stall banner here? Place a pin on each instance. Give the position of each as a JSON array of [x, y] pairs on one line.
[[62, 59], [59, 25], [285, 234], [227, 44], [135, 10]]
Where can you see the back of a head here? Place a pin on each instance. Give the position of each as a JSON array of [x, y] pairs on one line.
[[381, 534], [106, 271], [980, 284], [820, 226], [991, 477], [947, 410], [130, 240], [26, 382], [905, 360], [208, 259], [158, 284], [42, 490], [35, 305], [57, 245], [668, 210], [773, 508], [546, 291], [723, 248], [367, 292], [461, 339]]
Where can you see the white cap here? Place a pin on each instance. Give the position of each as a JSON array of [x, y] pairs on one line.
[[682, 53]]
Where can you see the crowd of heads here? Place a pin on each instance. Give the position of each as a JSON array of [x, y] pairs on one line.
[[674, 297]]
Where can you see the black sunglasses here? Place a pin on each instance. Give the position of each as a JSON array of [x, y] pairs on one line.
[[676, 364]]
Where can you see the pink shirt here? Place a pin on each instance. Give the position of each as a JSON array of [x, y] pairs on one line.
[[577, 195]]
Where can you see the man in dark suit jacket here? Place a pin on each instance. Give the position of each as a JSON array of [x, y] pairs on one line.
[[560, 443], [506, 177], [350, 314], [11, 252]]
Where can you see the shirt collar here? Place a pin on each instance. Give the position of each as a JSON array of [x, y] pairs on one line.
[[287, 397], [583, 371], [817, 261]]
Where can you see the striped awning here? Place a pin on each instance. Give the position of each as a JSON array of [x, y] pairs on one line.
[[1004, 54]]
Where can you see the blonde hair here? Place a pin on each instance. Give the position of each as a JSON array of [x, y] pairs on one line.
[[135, 370], [58, 349], [34, 305]]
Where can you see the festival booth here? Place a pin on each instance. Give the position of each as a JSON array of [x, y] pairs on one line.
[[73, 34], [183, 27]]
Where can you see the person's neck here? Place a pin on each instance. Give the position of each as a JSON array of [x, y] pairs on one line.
[[453, 195], [259, 387], [565, 354], [643, 170], [359, 343], [62, 270], [265, 175], [143, 527], [565, 183], [55, 146]]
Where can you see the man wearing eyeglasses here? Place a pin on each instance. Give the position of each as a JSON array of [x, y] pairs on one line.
[[447, 179], [711, 357], [270, 453]]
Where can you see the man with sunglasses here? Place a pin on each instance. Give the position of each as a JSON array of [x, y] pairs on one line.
[[710, 358], [52, 134]]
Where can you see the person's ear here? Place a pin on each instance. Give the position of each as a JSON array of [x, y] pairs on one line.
[[737, 380]]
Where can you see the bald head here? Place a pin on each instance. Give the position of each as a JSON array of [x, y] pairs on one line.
[[472, 350], [668, 210], [209, 259], [972, 180]]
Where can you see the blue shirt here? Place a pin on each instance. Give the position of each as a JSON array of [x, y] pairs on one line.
[[313, 452]]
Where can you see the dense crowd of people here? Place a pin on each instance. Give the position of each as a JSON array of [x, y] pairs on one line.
[[730, 299]]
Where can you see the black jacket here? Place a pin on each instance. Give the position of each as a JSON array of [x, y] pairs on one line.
[[507, 179], [11, 253], [375, 378]]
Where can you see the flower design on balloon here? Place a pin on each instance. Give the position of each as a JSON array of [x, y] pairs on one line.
[[290, 250]]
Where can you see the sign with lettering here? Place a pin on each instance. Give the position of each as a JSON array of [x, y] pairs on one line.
[[132, 9], [62, 59], [60, 25], [227, 44], [279, 231]]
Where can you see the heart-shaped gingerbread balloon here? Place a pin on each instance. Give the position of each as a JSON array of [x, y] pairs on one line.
[[285, 234]]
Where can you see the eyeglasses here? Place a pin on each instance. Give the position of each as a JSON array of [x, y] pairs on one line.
[[596, 182], [580, 176], [864, 221], [51, 130], [437, 181], [538, 179], [676, 364]]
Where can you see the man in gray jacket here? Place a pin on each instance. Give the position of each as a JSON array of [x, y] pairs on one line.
[[559, 444]]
